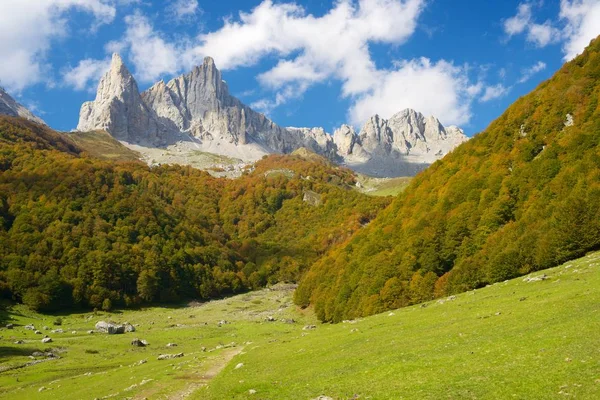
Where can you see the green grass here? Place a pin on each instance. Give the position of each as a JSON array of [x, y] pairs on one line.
[[100, 365], [383, 186], [216, 158], [102, 145], [536, 340], [517, 339]]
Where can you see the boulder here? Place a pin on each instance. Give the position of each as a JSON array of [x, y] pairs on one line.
[[312, 198], [309, 327], [114, 329], [171, 344], [542, 277], [139, 343], [47, 340], [9, 326], [169, 356]]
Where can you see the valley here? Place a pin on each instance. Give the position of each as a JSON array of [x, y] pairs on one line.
[[533, 337], [181, 244]]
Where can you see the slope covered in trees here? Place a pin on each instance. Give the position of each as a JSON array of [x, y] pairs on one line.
[[521, 196], [76, 230]]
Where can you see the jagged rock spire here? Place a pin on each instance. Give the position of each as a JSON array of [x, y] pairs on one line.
[[119, 109], [197, 106], [9, 106]]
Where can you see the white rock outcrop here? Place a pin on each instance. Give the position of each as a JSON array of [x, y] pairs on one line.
[[119, 110], [401, 145], [8, 106], [196, 109]]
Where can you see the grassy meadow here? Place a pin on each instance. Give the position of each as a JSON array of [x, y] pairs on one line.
[[523, 339]]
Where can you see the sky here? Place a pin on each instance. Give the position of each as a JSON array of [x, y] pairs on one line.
[[302, 63]]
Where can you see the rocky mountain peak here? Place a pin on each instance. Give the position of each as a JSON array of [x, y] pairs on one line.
[[119, 109], [209, 61], [8, 106], [117, 63], [117, 82], [197, 108]]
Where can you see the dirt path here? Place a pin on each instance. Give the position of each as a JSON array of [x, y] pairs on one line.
[[218, 363]]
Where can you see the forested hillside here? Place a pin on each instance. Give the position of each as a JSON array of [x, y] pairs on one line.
[[76, 230], [521, 196]]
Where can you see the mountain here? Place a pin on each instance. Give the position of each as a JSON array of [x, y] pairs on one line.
[[523, 195], [81, 230], [119, 109], [195, 112], [402, 145], [8, 106]]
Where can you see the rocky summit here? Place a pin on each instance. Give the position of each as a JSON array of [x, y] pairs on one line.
[[195, 112], [401, 145], [8, 106], [119, 109]]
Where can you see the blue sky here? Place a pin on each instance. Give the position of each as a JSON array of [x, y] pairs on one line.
[[304, 63]]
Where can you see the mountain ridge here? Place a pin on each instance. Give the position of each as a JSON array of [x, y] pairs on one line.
[[521, 196], [9, 106], [196, 109]]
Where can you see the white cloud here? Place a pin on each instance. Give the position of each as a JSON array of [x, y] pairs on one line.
[[86, 73], [540, 35], [333, 45], [439, 89], [151, 54], [27, 29], [494, 92], [518, 23], [527, 73], [314, 49], [183, 10], [582, 18]]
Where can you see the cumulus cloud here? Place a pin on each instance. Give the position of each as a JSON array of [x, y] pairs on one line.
[[527, 73], [27, 29], [494, 92], [333, 45], [540, 35], [582, 19], [314, 49], [518, 23], [87, 73], [439, 89], [152, 54], [183, 10], [578, 23]]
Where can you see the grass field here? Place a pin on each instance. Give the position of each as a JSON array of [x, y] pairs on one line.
[[383, 186], [102, 145], [519, 339]]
